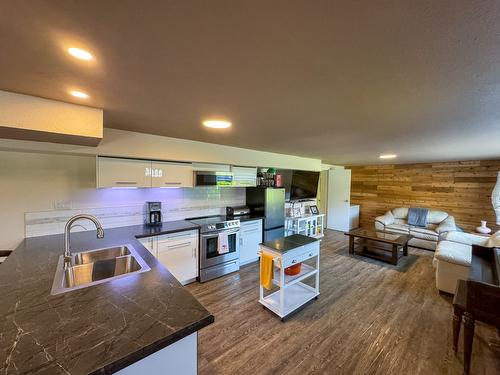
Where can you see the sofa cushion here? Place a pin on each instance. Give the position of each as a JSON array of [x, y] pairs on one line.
[[435, 217], [386, 219], [465, 238], [400, 228], [454, 252], [400, 221], [423, 233], [423, 244], [400, 212]]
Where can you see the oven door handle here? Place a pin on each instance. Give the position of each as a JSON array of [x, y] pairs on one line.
[[216, 234]]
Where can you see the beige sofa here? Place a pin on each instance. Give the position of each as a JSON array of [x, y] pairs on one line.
[[438, 223], [453, 255]]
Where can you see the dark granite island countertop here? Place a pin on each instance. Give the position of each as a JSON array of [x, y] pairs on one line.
[[284, 244], [95, 330]]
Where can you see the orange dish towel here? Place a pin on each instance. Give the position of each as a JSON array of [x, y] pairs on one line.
[[266, 270]]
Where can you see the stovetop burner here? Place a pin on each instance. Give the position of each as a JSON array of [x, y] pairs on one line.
[[215, 223]]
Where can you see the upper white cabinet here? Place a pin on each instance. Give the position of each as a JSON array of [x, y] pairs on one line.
[[244, 176], [121, 172], [115, 172], [166, 174], [211, 167]]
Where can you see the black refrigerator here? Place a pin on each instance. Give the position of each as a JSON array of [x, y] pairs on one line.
[[270, 203]]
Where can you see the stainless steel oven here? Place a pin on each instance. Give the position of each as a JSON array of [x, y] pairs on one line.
[[213, 263]]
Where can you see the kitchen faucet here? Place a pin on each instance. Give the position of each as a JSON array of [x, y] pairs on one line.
[[67, 231]]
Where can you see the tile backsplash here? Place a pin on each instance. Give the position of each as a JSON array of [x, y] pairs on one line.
[[117, 207]]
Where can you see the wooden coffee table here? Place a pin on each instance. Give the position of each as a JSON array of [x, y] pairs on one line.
[[377, 245]]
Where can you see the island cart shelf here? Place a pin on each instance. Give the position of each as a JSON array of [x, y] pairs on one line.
[[292, 291]]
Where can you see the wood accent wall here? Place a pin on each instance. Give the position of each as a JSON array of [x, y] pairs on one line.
[[463, 189]]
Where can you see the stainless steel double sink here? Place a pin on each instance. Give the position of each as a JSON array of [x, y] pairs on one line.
[[97, 266]]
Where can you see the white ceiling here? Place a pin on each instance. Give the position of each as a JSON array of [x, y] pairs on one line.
[[343, 81]]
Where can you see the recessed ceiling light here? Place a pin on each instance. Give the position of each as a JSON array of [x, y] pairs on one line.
[[217, 124], [387, 156], [79, 94], [80, 53]]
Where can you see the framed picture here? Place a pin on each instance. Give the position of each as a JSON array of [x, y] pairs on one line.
[[314, 210]]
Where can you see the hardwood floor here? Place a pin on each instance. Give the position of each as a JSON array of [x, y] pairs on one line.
[[371, 318]]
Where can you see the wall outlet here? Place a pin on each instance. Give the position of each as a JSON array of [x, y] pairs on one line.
[[63, 204]]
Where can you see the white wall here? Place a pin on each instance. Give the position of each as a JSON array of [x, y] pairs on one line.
[[45, 119], [34, 182], [34, 176], [139, 145]]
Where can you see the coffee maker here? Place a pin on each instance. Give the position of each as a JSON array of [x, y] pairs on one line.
[[153, 214]]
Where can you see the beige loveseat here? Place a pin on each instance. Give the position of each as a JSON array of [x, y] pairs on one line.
[[438, 223], [453, 255]]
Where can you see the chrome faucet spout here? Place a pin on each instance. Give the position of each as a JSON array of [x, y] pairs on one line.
[[67, 232]]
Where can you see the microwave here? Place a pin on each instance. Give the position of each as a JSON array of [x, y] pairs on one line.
[[212, 178]]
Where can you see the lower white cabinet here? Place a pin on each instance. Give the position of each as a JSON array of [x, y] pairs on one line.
[[181, 357], [178, 252], [150, 244], [250, 238]]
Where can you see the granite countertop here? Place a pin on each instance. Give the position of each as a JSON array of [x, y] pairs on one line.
[[95, 330], [284, 244]]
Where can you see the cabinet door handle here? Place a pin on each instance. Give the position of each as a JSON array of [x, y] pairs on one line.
[[126, 182], [173, 183], [178, 245]]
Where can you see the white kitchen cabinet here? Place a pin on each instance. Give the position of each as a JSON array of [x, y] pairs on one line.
[[150, 244], [178, 252], [210, 167], [116, 172], [354, 217], [250, 238], [172, 174], [244, 176]]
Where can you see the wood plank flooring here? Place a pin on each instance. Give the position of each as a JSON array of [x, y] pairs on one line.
[[371, 318]]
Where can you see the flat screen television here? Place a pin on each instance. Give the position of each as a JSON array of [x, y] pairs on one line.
[[304, 185]]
